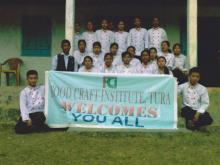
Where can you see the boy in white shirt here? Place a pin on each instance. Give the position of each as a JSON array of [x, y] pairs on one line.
[[32, 107], [105, 36], [156, 34], [121, 37], [195, 102], [90, 37], [138, 37]]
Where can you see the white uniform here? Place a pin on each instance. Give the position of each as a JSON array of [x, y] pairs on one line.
[[180, 62], [104, 69], [156, 36], [76, 38], [79, 57], [158, 71], [31, 100], [90, 38], [83, 69], [195, 97], [98, 60], [145, 69], [106, 38], [153, 66], [121, 38], [139, 39], [169, 58], [117, 60], [126, 69], [135, 62]]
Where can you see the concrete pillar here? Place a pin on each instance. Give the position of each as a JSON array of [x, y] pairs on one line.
[[70, 21], [192, 46]]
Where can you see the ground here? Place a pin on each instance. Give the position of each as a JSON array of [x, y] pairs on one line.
[[64, 148]]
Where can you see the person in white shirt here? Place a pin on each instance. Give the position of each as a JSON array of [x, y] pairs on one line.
[[156, 34], [32, 107], [88, 65], [162, 68], [145, 67], [97, 55], [138, 37], [166, 52], [121, 37], [153, 59], [64, 61], [89, 36], [105, 36], [108, 67], [195, 102], [179, 58], [179, 69], [81, 53], [126, 67], [116, 56], [77, 36], [134, 59]]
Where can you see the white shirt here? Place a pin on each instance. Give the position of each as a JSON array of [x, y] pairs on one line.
[[153, 65], [135, 62], [104, 69], [79, 57], [121, 38], [195, 97], [126, 69], [169, 58], [31, 101], [180, 62], [98, 60], [105, 38], [55, 60], [117, 60], [76, 38], [139, 39], [83, 69], [158, 71], [156, 36], [90, 38], [145, 69]]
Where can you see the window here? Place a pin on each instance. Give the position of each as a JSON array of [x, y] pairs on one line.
[[36, 36]]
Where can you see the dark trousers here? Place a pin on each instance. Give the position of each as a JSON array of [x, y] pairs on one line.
[[38, 124], [204, 119]]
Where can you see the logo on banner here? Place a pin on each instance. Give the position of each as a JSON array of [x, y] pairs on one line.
[[109, 82]]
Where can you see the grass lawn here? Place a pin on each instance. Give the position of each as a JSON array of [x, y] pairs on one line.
[[58, 148], [91, 148]]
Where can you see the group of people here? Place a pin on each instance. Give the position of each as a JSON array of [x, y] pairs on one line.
[[137, 52]]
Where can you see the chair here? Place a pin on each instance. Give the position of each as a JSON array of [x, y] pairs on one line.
[[13, 68]]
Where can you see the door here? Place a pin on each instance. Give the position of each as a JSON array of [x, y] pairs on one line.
[[209, 51]]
